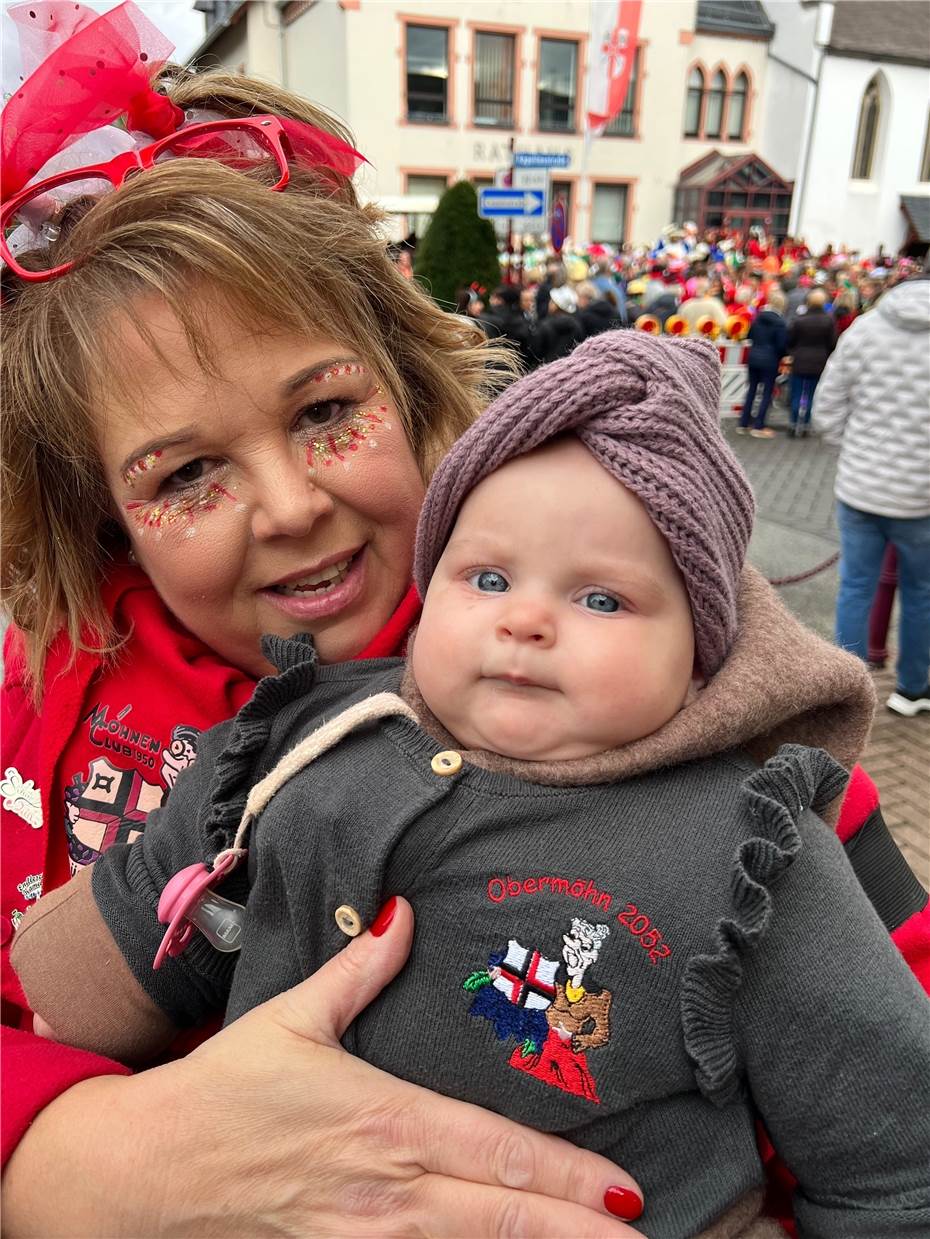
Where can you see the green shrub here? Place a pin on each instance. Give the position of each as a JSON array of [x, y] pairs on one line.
[[458, 249]]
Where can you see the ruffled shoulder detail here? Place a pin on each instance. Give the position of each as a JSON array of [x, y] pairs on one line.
[[235, 769], [775, 797]]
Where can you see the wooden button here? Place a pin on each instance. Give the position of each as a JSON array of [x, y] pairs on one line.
[[349, 920], [447, 762]]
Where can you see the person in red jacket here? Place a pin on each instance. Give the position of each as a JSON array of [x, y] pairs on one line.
[[216, 370]]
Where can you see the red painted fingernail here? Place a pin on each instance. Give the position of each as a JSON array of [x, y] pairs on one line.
[[384, 918], [623, 1202]]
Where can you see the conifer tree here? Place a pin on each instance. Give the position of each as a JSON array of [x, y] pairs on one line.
[[459, 248]]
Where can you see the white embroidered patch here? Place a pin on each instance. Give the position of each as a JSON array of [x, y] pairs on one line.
[[16, 916], [31, 887], [21, 797]]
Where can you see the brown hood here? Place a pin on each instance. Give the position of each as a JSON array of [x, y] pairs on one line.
[[780, 683]]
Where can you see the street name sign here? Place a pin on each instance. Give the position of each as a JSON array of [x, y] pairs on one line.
[[494, 203], [540, 159]]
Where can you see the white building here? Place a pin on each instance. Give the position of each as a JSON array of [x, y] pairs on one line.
[[846, 117], [436, 91]]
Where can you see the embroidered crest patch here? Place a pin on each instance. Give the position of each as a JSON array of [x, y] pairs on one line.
[[22, 797], [544, 1005]]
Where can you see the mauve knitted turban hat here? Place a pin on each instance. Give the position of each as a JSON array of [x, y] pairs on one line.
[[647, 408]]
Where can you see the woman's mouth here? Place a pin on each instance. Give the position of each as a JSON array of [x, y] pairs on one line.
[[320, 594], [321, 582]]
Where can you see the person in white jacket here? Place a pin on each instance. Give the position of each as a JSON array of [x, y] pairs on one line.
[[874, 400]]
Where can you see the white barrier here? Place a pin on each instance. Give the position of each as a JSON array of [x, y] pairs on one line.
[[734, 376]]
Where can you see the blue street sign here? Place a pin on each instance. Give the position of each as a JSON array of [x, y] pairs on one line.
[[539, 159], [494, 203]]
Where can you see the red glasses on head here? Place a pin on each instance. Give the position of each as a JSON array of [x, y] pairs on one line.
[[46, 210]]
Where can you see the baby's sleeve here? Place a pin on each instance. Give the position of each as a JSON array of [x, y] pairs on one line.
[[834, 1036], [84, 954]]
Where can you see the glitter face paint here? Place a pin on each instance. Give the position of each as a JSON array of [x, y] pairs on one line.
[[337, 445], [342, 370], [139, 467], [179, 509]]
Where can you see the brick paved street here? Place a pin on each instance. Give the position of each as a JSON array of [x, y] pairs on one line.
[[793, 484]]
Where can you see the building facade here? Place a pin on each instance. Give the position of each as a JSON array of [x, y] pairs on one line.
[[847, 118], [437, 91]]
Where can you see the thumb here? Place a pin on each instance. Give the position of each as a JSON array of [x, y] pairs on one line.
[[322, 1007]]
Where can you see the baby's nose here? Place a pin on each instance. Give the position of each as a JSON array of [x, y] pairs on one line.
[[527, 621]]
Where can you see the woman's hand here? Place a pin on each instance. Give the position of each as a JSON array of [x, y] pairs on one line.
[[270, 1129]]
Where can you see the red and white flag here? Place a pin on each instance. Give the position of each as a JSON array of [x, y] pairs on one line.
[[614, 30]]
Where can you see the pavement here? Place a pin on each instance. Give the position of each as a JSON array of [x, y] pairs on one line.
[[795, 531]]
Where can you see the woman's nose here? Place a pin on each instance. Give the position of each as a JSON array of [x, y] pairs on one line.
[[287, 503], [527, 621]]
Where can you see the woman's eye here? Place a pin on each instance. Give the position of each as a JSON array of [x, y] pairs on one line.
[[193, 471], [604, 604], [322, 414], [488, 582]]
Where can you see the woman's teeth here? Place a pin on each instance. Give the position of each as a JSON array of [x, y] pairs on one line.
[[317, 582]]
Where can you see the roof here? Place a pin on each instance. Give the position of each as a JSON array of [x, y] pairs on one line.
[[745, 19], [893, 30], [740, 171], [917, 211]]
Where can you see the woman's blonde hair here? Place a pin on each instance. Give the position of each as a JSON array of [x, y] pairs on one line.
[[308, 259]]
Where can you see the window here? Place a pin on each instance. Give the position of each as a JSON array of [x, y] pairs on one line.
[[428, 74], [426, 187], [693, 104], [608, 214], [623, 124], [736, 112], [925, 157], [713, 113], [494, 61], [557, 84], [867, 133]]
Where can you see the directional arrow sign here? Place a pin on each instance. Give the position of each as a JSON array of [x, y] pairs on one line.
[[497, 202]]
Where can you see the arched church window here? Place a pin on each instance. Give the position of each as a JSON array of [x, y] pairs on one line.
[[713, 115], [867, 132], [693, 103], [736, 112]]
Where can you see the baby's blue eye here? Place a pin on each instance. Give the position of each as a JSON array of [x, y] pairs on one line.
[[490, 582], [606, 604]]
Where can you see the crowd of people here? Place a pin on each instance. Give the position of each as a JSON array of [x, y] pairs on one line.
[[793, 305]]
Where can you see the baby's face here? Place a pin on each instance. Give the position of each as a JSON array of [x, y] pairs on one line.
[[556, 624]]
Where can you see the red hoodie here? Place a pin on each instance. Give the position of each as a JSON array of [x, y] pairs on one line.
[[83, 773]]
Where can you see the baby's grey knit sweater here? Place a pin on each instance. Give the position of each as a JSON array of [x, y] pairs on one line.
[[644, 968]]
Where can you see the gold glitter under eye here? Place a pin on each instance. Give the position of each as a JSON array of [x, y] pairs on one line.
[[337, 445], [139, 467], [178, 510]]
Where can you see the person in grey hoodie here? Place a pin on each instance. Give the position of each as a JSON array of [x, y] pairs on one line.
[[579, 778], [874, 401]]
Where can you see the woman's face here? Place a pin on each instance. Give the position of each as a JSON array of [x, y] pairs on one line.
[[278, 495]]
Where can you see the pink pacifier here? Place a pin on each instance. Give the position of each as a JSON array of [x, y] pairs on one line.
[[187, 903]]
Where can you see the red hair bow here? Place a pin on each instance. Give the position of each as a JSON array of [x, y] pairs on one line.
[[92, 69]]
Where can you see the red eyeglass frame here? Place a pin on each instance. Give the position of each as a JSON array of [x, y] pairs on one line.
[[269, 128]]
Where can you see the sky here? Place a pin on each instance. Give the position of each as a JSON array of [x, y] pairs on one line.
[[175, 18]]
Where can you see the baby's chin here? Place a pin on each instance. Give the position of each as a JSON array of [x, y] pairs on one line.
[[525, 740]]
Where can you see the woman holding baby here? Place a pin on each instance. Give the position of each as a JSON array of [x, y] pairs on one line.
[[207, 443]]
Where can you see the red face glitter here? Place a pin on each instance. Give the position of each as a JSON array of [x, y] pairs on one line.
[[139, 467], [337, 445], [177, 509]]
